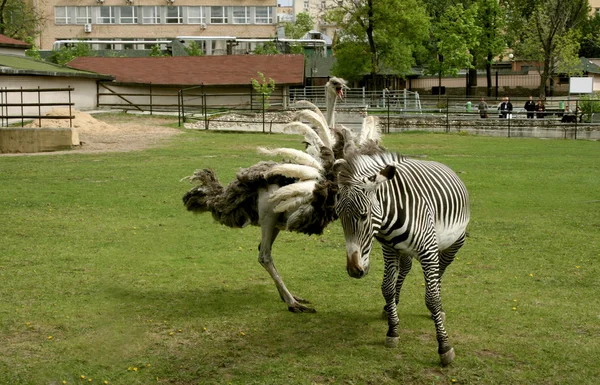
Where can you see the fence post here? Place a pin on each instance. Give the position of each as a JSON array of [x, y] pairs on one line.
[[179, 107], [70, 113], [387, 101], [263, 111], [576, 116], [150, 98], [509, 118], [204, 106], [22, 119], [447, 115], [39, 106]]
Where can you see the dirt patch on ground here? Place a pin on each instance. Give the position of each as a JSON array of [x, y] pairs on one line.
[[110, 132]]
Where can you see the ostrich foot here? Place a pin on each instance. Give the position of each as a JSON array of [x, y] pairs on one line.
[[301, 300], [447, 357], [299, 308], [391, 342]]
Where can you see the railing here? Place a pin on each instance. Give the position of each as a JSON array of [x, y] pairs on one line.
[[18, 105]]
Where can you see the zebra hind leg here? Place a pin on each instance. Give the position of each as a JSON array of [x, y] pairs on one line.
[[434, 304], [446, 258]]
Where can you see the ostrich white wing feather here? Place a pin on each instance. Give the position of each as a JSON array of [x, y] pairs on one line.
[[304, 129], [293, 155], [320, 124], [291, 204], [312, 106], [369, 130], [296, 171], [294, 190]]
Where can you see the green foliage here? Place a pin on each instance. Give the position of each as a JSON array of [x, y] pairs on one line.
[[193, 49], [66, 54], [155, 51], [590, 42], [381, 35], [20, 19], [551, 37], [32, 52], [101, 255], [590, 104], [268, 48], [456, 35], [264, 88], [304, 23]]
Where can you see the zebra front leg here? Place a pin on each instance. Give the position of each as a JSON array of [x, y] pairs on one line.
[[388, 289], [434, 304], [269, 233], [404, 267]]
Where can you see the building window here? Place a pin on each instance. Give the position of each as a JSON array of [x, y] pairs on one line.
[[83, 15], [128, 15], [106, 15], [218, 15], [241, 15], [264, 15], [195, 15], [174, 15], [61, 16], [151, 15], [306, 5]]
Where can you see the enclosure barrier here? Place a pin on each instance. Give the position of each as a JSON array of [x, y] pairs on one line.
[[20, 104]]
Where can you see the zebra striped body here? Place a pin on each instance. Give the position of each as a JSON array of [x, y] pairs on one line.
[[415, 209]]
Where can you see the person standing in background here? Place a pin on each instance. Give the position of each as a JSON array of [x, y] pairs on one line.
[[530, 107]]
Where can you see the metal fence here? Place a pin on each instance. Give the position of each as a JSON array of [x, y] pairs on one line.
[[20, 105], [399, 111]]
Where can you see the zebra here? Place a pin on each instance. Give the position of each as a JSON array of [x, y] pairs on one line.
[[415, 209]]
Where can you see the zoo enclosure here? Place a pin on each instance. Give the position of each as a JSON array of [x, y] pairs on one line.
[[19, 105], [400, 111]]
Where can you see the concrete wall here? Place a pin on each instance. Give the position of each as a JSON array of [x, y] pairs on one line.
[[28, 140]]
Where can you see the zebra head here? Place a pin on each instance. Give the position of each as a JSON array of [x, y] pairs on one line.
[[359, 211]]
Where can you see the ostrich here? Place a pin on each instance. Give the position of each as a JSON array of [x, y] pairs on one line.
[[295, 195]]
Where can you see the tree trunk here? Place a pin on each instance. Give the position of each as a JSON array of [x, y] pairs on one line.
[[2, 8]]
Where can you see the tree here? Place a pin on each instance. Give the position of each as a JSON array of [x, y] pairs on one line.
[[268, 48], [590, 42], [264, 88], [193, 49], [155, 51], [20, 19], [551, 38], [376, 35], [491, 20], [67, 53], [454, 36], [303, 23]]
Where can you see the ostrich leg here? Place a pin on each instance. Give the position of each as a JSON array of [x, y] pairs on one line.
[[269, 233]]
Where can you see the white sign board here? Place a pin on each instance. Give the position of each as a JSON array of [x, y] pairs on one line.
[[578, 85]]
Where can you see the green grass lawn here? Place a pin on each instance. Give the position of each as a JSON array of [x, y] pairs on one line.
[[104, 275]]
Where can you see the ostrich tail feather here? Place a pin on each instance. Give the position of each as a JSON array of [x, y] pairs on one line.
[[294, 190], [295, 171], [320, 124], [310, 136], [293, 155], [312, 106]]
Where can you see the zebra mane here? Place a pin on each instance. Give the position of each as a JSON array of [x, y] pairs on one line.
[[355, 168]]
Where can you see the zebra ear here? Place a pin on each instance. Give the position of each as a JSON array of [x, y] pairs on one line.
[[383, 176]]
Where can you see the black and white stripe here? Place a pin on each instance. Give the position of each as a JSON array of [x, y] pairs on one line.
[[415, 209]]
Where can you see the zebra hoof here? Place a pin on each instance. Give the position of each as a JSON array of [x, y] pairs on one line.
[[391, 342], [447, 357]]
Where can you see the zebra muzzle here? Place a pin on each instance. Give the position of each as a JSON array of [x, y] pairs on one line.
[[354, 267]]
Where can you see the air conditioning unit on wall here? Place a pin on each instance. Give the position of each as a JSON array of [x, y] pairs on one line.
[[87, 28]]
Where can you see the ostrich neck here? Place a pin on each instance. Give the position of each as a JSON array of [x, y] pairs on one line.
[[330, 117]]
